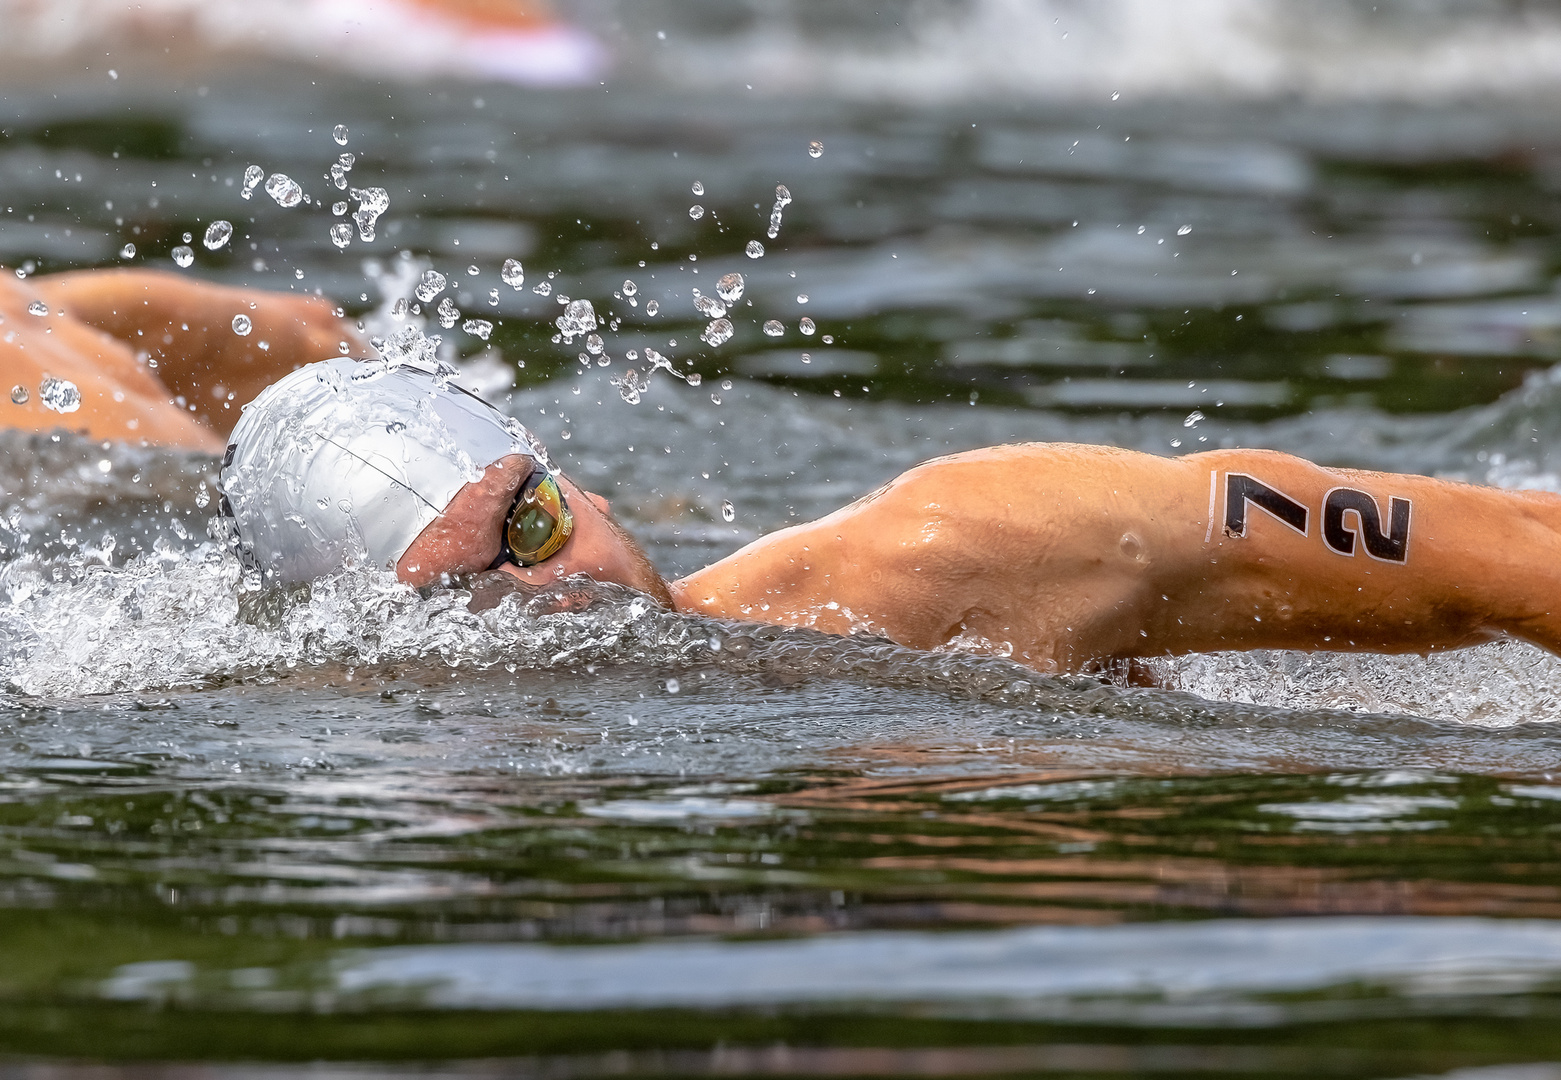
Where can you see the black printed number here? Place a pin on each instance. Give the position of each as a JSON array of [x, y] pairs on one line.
[[1241, 489], [1390, 547]]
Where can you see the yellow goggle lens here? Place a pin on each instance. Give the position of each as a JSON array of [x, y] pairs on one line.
[[540, 522]]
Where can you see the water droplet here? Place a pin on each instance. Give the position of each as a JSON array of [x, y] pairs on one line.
[[339, 133], [694, 378], [806, 325], [708, 306], [242, 326], [726, 384], [493, 298], [673, 686], [217, 234], [715, 399], [1192, 419], [252, 177], [285, 190], [1184, 230], [203, 497], [782, 200], [754, 250], [372, 202], [728, 511], [718, 333], [815, 149], [513, 274], [802, 298], [773, 328], [730, 287], [578, 318], [341, 234], [699, 188], [651, 307], [431, 285], [19, 395], [828, 339], [594, 344], [478, 328], [542, 288], [448, 313], [629, 288], [188, 237], [37, 307], [472, 271], [127, 252], [59, 395], [696, 211], [398, 310], [183, 255], [339, 208]]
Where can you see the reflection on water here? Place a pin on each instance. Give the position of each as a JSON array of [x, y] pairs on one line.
[[357, 823]]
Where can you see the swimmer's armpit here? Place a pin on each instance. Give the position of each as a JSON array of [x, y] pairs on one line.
[[186, 326]]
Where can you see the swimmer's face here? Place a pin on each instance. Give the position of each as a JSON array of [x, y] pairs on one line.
[[466, 537]]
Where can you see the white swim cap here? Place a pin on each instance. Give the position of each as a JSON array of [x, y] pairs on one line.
[[351, 459]]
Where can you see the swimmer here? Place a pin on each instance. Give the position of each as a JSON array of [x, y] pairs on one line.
[[1064, 557]]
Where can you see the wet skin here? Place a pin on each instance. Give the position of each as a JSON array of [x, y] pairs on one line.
[[466, 538], [1060, 556]]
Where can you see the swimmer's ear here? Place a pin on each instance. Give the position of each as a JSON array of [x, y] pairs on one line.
[[599, 502]]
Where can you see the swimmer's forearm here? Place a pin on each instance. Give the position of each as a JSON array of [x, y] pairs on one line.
[[187, 327], [1298, 556]]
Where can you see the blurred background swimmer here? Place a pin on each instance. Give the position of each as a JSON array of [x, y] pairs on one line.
[[521, 42]]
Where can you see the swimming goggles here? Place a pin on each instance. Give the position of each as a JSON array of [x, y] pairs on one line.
[[538, 523]]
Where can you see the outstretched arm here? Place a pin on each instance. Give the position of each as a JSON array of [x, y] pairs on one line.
[[185, 327], [1064, 555]]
